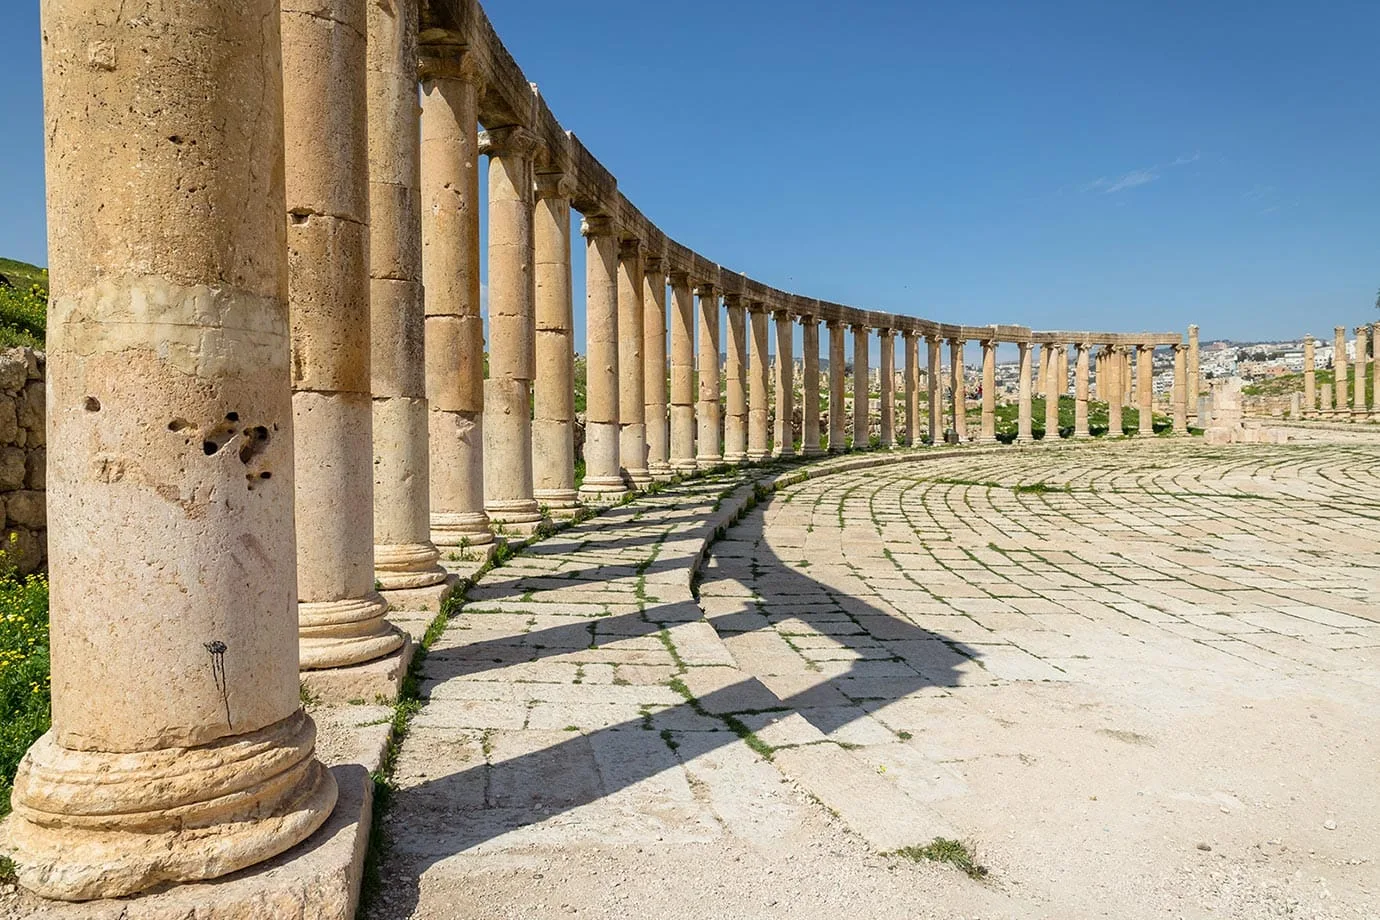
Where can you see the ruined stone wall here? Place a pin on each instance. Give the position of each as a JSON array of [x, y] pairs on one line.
[[23, 458]]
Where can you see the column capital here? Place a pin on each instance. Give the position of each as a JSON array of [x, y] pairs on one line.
[[653, 264], [553, 185], [437, 62], [1083, 345], [861, 329], [1308, 338], [678, 278], [780, 312], [757, 306], [706, 289], [509, 141], [1362, 330], [808, 319], [597, 225], [733, 300], [630, 248], [1339, 330]]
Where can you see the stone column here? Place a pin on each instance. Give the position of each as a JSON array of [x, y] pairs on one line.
[[1080, 390], [1126, 377], [933, 390], [178, 748], [759, 436], [1180, 390], [959, 387], [887, 379], [836, 388], [1339, 369], [603, 482], [709, 452], [1113, 367], [340, 615], [783, 437], [1375, 372], [404, 556], [862, 431], [1358, 387], [735, 390], [654, 367], [1024, 428], [682, 373], [509, 488], [454, 328], [1053, 361], [1194, 378], [1099, 374], [1325, 410], [911, 344], [632, 398], [1145, 387], [1310, 396], [553, 422], [809, 387], [988, 432]]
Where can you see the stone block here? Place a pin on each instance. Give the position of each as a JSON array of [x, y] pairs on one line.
[[27, 509], [13, 468], [36, 468], [373, 680], [14, 369], [9, 420], [31, 412]]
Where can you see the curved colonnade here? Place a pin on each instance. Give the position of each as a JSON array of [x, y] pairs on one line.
[[268, 405]]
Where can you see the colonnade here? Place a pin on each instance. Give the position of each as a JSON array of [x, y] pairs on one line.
[[1349, 398], [269, 408]]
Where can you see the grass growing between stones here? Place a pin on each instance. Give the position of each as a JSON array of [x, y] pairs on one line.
[[25, 703], [957, 853]]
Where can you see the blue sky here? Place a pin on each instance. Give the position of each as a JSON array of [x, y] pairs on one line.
[[1056, 164]]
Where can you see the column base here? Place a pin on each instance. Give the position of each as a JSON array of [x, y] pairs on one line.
[[783, 454], [90, 824], [603, 490], [516, 516], [684, 465], [460, 529], [737, 457], [1081, 435], [985, 439], [661, 472], [369, 681], [638, 479], [557, 499], [838, 448], [709, 461], [1358, 415], [407, 565], [339, 633], [429, 598], [812, 452], [1025, 439]]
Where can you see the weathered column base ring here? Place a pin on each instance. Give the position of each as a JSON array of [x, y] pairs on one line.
[[407, 565]]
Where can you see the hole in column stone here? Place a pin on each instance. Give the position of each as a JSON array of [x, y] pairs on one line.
[[93, 404], [175, 138], [179, 424], [255, 441], [232, 416], [299, 218]]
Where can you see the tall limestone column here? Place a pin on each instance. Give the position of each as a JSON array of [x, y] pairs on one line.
[[759, 435], [1339, 369], [1195, 385], [837, 427], [654, 367], [1099, 374], [1358, 389], [988, 432], [911, 345], [887, 378], [1024, 428], [862, 430], [1080, 390], [809, 387], [404, 556], [509, 487], [450, 282], [178, 748], [340, 614], [783, 440], [736, 420], [933, 390], [553, 415], [1375, 372], [632, 398], [1180, 390], [1310, 396], [1145, 387], [1127, 377], [603, 483], [959, 389], [709, 450], [1053, 386], [682, 373], [1115, 390]]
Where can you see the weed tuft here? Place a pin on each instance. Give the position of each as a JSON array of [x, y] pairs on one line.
[[957, 853]]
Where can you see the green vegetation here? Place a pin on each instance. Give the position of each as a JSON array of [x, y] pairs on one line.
[[1007, 419], [23, 304], [25, 705], [960, 855], [1285, 384]]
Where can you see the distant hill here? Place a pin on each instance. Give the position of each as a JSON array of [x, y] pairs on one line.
[[23, 311], [22, 275]]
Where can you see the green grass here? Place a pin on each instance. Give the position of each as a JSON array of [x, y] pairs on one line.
[[25, 703], [960, 855], [23, 304]]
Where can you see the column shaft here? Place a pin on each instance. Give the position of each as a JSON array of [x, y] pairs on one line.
[[1310, 395], [1195, 386], [809, 387], [1024, 428], [170, 432], [1358, 386], [887, 378], [862, 430], [632, 397], [1053, 386], [1145, 387], [759, 434], [682, 373], [454, 328], [1375, 371], [933, 390], [340, 615], [709, 452], [988, 433], [959, 390], [784, 436], [736, 420], [912, 389], [553, 415], [1180, 390], [1339, 371], [1113, 367], [603, 482], [837, 362], [654, 365], [1080, 390], [404, 556]]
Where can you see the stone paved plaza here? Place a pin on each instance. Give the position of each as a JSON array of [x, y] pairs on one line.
[[1139, 678]]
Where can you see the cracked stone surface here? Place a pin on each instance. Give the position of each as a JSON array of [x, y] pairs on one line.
[[1139, 678]]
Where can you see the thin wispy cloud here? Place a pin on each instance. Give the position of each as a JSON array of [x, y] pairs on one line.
[[1109, 185]]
